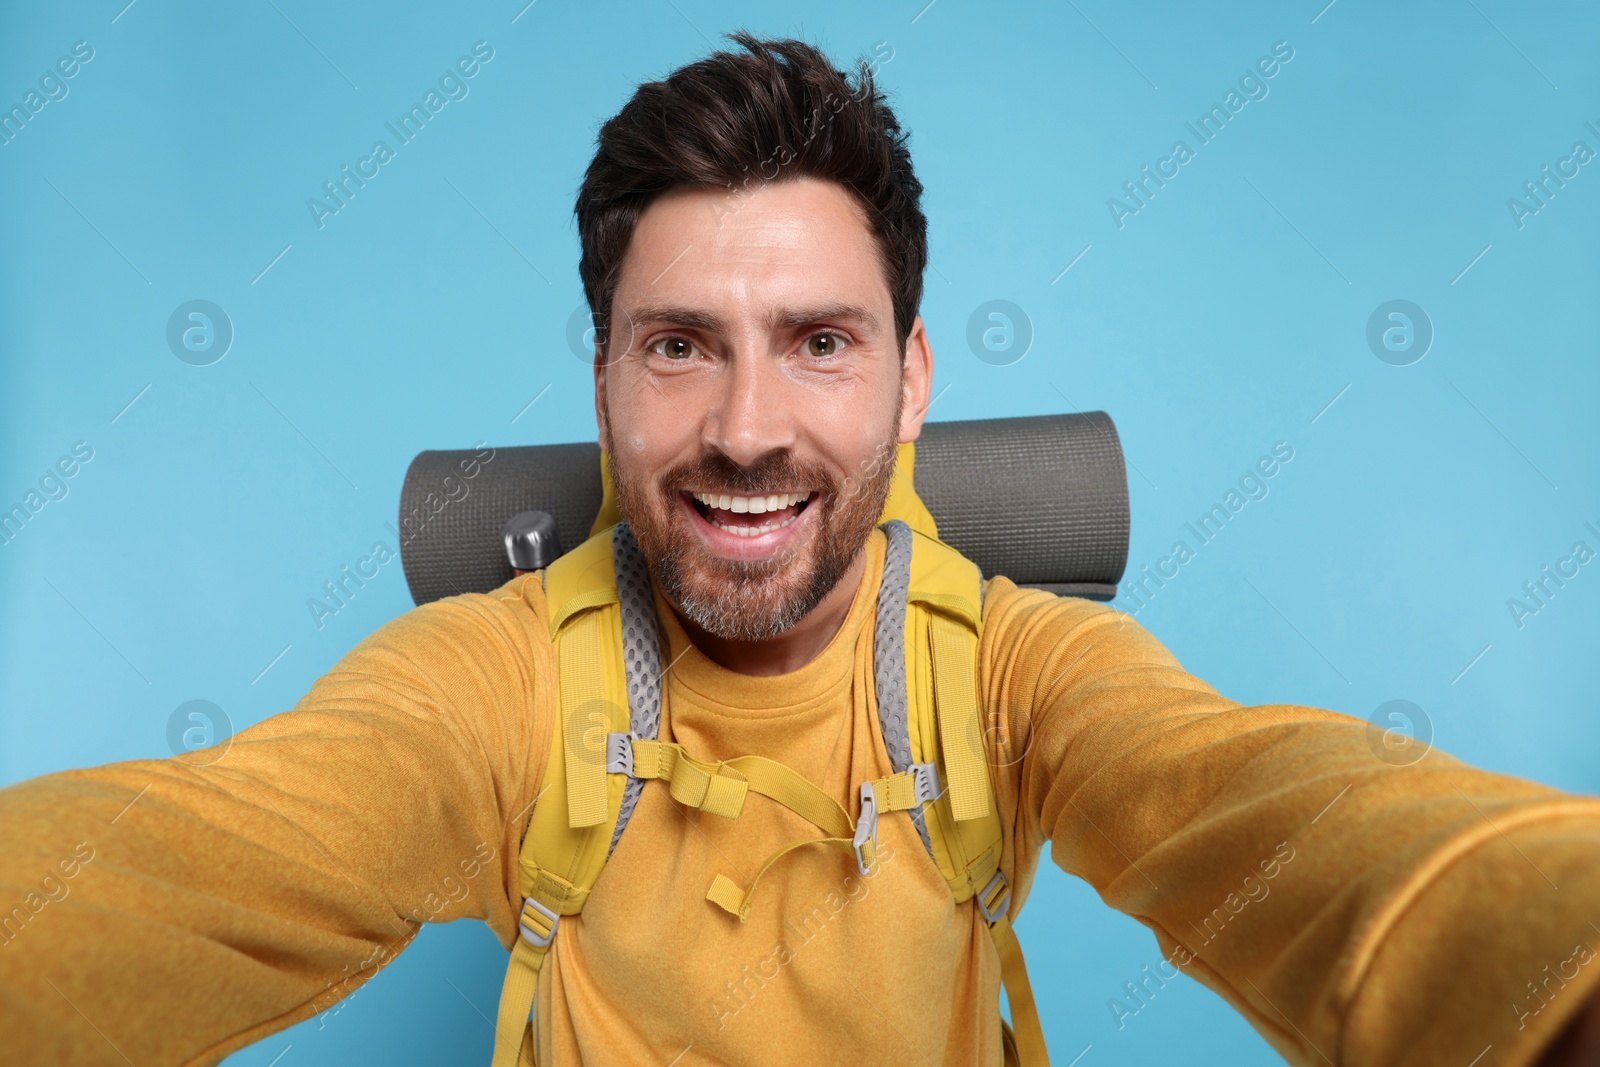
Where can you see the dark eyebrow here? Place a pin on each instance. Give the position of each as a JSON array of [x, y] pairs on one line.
[[783, 318]]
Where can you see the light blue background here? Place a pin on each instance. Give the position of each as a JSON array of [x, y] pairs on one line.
[[1225, 316]]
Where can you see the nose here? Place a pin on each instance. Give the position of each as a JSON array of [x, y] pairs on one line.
[[753, 411]]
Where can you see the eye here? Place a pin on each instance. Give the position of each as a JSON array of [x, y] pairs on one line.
[[676, 349], [824, 344]]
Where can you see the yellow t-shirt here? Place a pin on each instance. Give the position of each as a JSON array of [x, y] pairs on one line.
[[1354, 911]]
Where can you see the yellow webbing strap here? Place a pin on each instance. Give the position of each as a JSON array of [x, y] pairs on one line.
[[584, 722], [726, 894], [893, 792], [955, 698], [1025, 1026], [720, 788], [690, 781], [896, 792], [582, 579], [513, 1036], [777, 782], [943, 621], [593, 690], [944, 590], [561, 858]]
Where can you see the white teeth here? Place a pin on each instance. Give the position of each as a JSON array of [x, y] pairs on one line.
[[755, 531], [754, 505]]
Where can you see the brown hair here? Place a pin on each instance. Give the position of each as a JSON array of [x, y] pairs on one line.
[[777, 112]]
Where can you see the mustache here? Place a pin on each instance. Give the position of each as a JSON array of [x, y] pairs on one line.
[[772, 473]]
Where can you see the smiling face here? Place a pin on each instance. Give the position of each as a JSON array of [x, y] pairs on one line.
[[751, 399]]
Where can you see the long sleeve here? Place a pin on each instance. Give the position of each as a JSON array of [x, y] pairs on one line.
[[1355, 909], [171, 911]]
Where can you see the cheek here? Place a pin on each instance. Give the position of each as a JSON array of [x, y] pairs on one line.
[[861, 435]]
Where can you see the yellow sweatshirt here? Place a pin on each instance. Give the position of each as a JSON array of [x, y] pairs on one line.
[[1356, 912]]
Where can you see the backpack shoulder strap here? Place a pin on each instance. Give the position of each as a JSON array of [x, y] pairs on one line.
[[603, 625], [929, 612], [925, 657]]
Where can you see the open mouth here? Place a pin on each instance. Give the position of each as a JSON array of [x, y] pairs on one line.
[[749, 516]]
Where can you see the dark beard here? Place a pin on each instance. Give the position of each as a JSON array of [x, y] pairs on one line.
[[752, 600]]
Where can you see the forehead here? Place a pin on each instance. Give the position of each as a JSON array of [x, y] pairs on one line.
[[793, 243]]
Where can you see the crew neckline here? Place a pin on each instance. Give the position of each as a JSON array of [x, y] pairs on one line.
[[736, 691]]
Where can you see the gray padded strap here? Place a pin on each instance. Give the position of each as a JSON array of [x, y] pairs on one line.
[[641, 654], [889, 656]]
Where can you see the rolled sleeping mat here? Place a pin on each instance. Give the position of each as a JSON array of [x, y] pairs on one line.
[[1041, 499]]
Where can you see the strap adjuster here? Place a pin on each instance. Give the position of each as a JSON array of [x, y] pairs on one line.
[[866, 829], [531, 934], [925, 780], [619, 753], [1002, 899]]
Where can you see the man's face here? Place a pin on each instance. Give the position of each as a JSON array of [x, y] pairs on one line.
[[753, 398]]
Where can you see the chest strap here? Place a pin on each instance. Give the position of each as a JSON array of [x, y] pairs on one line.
[[721, 788]]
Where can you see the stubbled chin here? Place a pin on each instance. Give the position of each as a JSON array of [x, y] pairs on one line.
[[737, 599]]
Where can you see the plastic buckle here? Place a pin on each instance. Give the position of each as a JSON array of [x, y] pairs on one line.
[[866, 826], [619, 753], [925, 781], [998, 912], [530, 936]]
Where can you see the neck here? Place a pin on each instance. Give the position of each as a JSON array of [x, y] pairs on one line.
[[796, 646]]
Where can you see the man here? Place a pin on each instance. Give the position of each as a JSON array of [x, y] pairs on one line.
[[753, 250]]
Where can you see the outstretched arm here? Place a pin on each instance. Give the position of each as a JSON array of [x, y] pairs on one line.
[[172, 911], [1354, 910]]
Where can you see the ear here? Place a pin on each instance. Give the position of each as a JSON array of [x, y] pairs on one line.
[[600, 399], [916, 382]]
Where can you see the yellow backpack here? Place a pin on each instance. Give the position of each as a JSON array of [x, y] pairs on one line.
[[602, 620]]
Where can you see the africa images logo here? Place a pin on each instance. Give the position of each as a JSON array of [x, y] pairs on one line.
[[452, 87], [1207, 128]]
